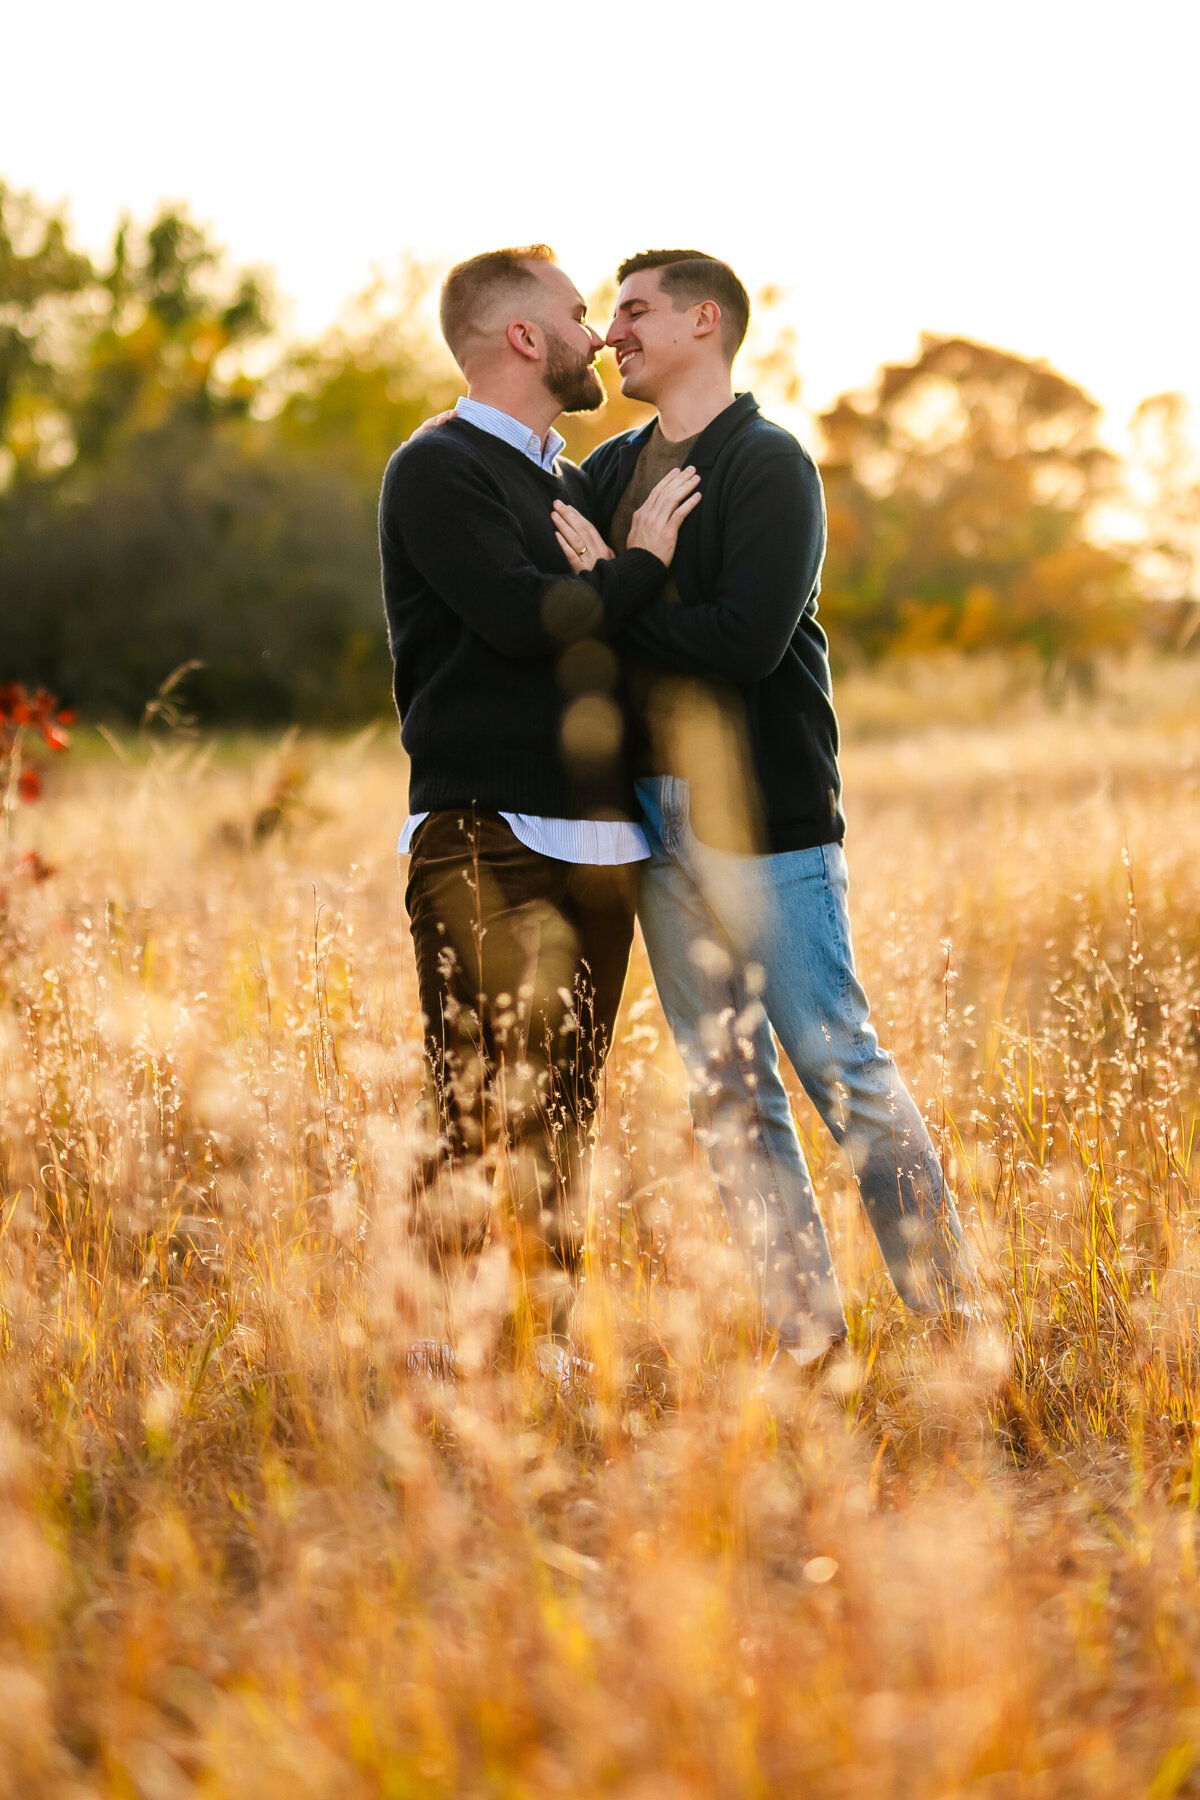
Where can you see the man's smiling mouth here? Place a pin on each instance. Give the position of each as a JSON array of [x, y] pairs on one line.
[[624, 356]]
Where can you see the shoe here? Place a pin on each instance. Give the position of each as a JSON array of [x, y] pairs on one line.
[[795, 1368], [568, 1373], [811, 1358]]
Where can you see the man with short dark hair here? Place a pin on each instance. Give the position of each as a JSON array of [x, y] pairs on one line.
[[521, 835], [687, 278], [743, 903]]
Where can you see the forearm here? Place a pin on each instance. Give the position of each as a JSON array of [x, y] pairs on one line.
[[716, 642], [627, 584], [525, 612]]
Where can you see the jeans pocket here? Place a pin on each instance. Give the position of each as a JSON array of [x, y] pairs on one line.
[[676, 810], [788, 868]]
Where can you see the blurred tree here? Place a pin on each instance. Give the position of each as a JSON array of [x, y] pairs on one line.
[[168, 346], [769, 362], [359, 392], [42, 281], [178, 525], [206, 543], [1164, 475], [174, 487], [961, 490]]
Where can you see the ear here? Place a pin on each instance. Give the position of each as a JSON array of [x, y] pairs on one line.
[[523, 338], [708, 319]]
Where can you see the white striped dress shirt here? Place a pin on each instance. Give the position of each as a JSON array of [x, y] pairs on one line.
[[597, 841]]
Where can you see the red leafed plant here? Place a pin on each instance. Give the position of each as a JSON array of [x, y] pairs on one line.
[[28, 719]]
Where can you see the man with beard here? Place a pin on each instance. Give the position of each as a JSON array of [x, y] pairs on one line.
[[743, 901], [523, 850]]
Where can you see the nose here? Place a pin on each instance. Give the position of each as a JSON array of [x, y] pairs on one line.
[[616, 332], [597, 340]]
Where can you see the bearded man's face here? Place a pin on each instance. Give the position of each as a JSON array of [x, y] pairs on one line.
[[571, 374]]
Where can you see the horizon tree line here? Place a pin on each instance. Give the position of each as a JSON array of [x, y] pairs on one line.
[[179, 484]]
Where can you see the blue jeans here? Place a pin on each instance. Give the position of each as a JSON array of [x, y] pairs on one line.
[[741, 944]]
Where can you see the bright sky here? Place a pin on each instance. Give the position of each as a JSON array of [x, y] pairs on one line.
[[1026, 173]]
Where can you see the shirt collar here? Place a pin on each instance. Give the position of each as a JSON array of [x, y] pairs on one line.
[[512, 431], [712, 439]]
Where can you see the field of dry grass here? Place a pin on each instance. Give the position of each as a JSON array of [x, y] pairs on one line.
[[242, 1554]]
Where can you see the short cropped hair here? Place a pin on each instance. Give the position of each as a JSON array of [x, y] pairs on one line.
[[472, 286], [690, 276]]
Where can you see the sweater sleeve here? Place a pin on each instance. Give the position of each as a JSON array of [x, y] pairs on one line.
[[456, 528], [772, 549]]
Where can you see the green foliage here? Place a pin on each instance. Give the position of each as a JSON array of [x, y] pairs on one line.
[[195, 542], [166, 348], [190, 508], [41, 281], [364, 388]]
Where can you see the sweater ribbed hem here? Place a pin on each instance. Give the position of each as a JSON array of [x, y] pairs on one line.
[[782, 838], [524, 785]]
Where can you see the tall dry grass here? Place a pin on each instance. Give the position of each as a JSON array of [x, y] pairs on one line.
[[241, 1553]]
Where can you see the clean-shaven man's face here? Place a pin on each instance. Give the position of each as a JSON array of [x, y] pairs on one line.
[[652, 341], [571, 344]]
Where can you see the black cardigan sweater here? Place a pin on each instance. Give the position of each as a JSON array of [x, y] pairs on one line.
[[747, 569], [481, 607]]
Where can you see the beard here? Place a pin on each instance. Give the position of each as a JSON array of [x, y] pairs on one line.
[[571, 379]]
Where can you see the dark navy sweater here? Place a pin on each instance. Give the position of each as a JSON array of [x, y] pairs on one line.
[[747, 569], [490, 632]]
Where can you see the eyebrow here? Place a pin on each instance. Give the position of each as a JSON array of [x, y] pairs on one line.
[[633, 300]]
